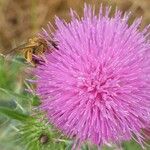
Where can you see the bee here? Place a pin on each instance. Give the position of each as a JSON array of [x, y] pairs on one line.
[[33, 50]]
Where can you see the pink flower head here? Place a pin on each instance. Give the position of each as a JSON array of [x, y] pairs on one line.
[[96, 86]]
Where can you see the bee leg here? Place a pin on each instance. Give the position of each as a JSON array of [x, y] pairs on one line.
[[28, 55]]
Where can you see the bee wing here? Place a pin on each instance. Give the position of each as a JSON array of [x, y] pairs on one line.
[[11, 51], [17, 49]]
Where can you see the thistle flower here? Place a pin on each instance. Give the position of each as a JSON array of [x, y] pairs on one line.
[[96, 86]]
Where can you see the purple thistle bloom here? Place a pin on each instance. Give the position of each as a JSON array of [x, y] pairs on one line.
[[96, 86]]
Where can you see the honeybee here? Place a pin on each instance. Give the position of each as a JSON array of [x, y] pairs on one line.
[[33, 50]]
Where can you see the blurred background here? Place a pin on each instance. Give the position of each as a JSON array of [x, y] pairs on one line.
[[19, 20]]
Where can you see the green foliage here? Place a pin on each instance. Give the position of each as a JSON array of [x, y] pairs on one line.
[[131, 145], [35, 134], [13, 114], [9, 73], [19, 124], [35, 101]]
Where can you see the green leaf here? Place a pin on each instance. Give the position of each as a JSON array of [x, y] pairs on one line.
[[13, 114], [13, 94], [36, 101]]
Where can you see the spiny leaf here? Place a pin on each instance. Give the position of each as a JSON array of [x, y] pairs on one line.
[[13, 114]]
